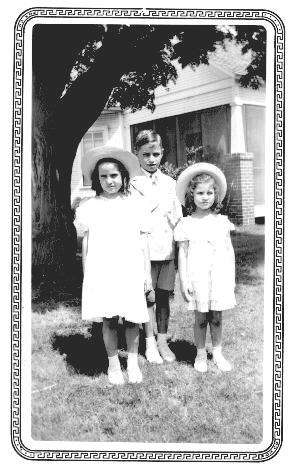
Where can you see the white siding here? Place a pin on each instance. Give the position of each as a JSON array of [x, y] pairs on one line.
[[113, 123], [172, 107], [204, 87], [110, 121]]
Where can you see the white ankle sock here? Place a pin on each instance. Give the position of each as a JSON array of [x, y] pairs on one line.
[[150, 342], [201, 353], [217, 350], [219, 359], [114, 363], [152, 353], [200, 363], [132, 360], [133, 370], [115, 375], [161, 338]]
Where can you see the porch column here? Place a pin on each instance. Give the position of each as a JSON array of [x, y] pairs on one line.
[[179, 154], [237, 141]]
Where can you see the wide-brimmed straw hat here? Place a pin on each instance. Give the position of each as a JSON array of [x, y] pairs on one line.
[[199, 168], [129, 160]]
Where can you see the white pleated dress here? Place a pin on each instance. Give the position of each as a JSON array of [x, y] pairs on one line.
[[113, 283], [210, 261]]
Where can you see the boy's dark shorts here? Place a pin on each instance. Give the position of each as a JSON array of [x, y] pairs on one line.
[[163, 275]]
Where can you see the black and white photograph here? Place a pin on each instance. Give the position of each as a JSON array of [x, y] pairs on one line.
[[148, 204]]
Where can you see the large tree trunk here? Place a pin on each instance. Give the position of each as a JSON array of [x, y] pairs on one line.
[[58, 124], [53, 233]]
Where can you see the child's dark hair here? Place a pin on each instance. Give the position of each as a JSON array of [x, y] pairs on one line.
[[147, 136], [189, 200], [95, 182]]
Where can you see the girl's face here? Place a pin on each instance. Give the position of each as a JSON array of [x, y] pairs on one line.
[[150, 156], [204, 195], [110, 178]]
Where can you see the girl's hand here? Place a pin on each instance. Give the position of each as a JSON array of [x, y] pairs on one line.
[[187, 291], [148, 284], [150, 296], [149, 291]]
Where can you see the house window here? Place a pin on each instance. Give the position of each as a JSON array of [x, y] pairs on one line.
[[190, 135], [92, 140], [95, 137]]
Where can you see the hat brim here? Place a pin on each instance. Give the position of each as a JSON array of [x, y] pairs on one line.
[[199, 168], [128, 159]]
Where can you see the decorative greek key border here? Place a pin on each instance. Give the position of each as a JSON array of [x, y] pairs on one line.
[[16, 266]]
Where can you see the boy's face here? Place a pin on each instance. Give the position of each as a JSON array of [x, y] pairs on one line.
[[150, 156]]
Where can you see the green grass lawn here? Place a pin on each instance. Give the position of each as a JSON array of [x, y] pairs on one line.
[[72, 399]]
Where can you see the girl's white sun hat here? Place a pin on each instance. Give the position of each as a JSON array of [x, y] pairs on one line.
[[129, 160], [199, 168]]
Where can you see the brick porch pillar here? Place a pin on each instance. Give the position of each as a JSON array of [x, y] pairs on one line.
[[238, 169]]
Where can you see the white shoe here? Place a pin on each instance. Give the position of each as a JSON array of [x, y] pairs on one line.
[[134, 374], [152, 355], [200, 364], [221, 362], [165, 351], [115, 376]]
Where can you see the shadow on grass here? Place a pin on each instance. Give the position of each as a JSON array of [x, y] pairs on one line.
[[83, 354], [185, 351], [86, 354]]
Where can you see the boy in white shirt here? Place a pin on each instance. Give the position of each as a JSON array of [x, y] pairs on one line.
[[159, 190]]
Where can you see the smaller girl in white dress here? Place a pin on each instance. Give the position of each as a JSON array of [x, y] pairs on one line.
[[115, 255], [206, 257]]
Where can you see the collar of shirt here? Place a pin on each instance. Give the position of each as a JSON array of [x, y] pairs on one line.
[[153, 177]]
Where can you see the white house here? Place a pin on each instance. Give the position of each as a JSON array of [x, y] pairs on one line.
[[205, 107]]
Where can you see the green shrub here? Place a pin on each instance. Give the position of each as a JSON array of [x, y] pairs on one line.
[[193, 155]]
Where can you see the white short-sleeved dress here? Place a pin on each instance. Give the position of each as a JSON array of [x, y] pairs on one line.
[[210, 261], [114, 278]]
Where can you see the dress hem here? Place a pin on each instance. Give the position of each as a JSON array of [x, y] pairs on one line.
[[100, 318]]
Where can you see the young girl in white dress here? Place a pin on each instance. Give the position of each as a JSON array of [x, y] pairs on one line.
[[206, 257], [115, 255]]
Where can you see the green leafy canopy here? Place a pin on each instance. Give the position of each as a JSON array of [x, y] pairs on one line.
[[148, 55]]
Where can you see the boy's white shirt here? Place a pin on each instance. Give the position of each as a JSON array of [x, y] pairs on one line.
[[159, 191]]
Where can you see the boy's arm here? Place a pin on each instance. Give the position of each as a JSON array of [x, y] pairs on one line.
[[175, 212], [186, 288], [84, 248]]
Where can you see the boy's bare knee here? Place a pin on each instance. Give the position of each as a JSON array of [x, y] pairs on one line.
[[162, 297]]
